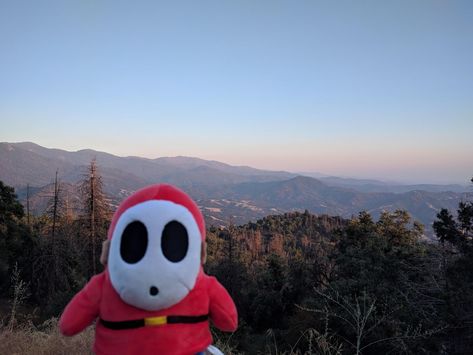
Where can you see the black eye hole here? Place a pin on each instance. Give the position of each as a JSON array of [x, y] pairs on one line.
[[174, 241], [134, 242]]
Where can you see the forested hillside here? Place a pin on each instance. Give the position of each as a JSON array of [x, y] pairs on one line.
[[301, 282]]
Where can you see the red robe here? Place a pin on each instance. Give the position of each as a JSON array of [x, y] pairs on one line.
[[99, 299]]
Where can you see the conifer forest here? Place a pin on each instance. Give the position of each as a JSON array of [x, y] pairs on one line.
[[302, 283]]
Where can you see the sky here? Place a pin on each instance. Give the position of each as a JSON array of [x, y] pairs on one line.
[[372, 89]]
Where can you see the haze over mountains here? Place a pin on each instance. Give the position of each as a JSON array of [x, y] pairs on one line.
[[224, 192]]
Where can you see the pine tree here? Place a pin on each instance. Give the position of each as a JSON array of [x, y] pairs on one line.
[[16, 242], [456, 238]]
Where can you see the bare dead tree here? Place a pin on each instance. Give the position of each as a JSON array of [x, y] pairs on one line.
[[55, 205], [96, 212], [48, 264], [28, 204]]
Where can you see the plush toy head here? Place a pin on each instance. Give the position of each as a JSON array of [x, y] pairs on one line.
[[156, 240]]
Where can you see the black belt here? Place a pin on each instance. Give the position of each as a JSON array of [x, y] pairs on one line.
[[153, 321]]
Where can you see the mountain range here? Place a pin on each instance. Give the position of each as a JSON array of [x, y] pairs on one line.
[[225, 193]]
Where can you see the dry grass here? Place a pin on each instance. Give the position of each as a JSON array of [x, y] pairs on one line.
[[44, 340], [26, 339], [223, 343]]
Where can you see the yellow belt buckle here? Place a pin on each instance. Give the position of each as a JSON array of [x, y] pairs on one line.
[[155, 320]]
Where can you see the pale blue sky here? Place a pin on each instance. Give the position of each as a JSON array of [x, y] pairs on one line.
[[355, 88]]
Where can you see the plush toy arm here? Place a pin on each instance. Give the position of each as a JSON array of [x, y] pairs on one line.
[[83, 308], [223, 312]]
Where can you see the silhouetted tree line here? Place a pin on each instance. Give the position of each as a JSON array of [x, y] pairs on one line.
[[56, 252], [302, 283]]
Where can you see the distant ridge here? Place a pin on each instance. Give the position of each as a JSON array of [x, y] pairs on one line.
[[368, 185], [224, 192]]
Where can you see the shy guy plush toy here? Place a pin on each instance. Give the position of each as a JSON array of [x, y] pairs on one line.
[[153, 297]]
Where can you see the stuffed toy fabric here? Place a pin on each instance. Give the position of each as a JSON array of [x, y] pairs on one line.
[[153, 297]]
